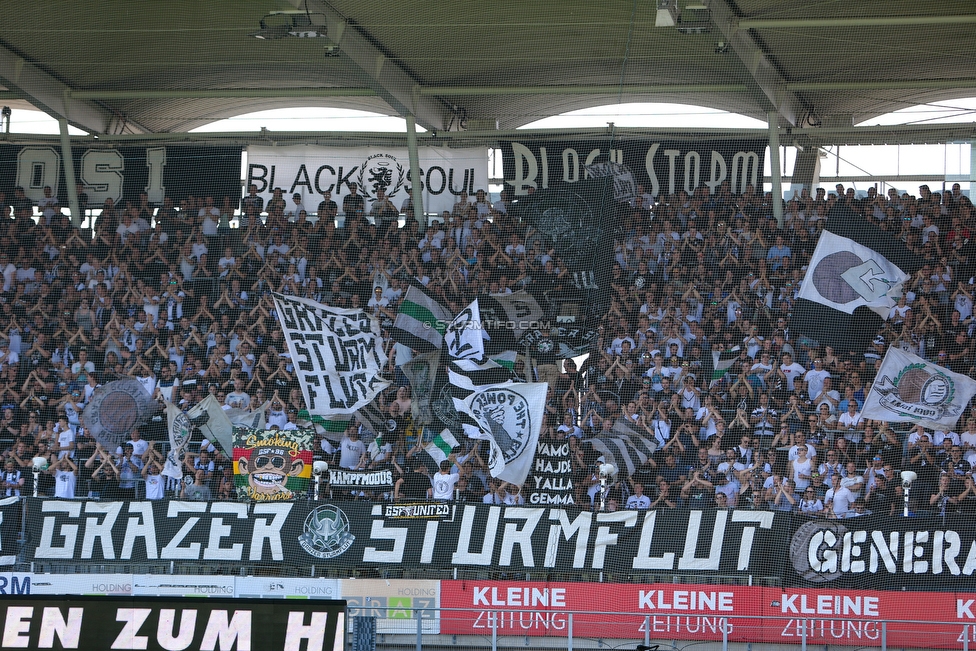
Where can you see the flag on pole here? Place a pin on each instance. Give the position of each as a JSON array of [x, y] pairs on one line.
[[845, 275], [421, 372], [854, 277], [421, 321], [331, 428], [722, 361], [910, 389], [209, 416], [179, 429], [463, 337], [509, 416], [441, 445]]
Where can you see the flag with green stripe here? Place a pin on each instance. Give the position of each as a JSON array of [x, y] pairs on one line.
[[441, 445], [332, 428], [420, 322]]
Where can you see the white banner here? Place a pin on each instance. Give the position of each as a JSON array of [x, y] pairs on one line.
[[508, 416], [845, 275], [463, 336], [338, 354], [910, 389], [311, 170], [180, 428]]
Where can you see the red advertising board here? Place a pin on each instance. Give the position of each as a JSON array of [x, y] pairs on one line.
[[699, 612]]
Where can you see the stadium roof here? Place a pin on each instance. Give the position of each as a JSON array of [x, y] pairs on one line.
[[117, 66]]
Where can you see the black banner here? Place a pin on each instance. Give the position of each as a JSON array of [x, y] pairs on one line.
[[550, 481], [663, 167], [95, 623], [362, 479], [359, 534], [869, 552], [884, 553], [121, 173]]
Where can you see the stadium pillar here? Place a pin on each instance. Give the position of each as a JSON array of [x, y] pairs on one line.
[[775, 169], [415, 193], [806, 170], [69, 174]]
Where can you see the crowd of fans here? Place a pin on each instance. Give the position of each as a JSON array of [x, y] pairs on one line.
[[174, 296]]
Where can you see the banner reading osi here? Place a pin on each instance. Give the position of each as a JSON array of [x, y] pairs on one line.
[[312, 170]]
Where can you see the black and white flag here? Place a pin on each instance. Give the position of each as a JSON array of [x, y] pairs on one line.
[[180, 428], [421, 371], [509, 416], [464, 335], [337, 353], [909, 389]]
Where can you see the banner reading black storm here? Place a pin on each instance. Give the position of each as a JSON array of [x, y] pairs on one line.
[[662, 167], [120, 173], [310, 171]]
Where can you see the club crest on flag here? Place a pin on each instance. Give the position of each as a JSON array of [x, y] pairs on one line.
[[909, 389], [919, 392]]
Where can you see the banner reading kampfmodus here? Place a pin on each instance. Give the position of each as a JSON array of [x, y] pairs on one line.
[[272, 465], [662, 167], [338, 354], [311, 170], [910, 389], [119, 173]]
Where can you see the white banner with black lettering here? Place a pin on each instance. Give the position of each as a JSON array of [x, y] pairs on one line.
[[337, 354], [311, 170]]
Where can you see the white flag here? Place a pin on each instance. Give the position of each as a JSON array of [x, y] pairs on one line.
[[338, 354], [210, 417], [179, 436], [910, 389], [845, 275], [509, 416], [464, 335]]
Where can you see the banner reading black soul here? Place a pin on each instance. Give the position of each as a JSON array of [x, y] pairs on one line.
[[663, 167], [122, 173]]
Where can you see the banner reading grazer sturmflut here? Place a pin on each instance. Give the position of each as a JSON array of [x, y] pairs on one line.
[[338, 354], [272, 465], [311, 170]]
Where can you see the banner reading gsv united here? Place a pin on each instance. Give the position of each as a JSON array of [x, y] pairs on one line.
[[663, 167], [312, 170], [123, 172]]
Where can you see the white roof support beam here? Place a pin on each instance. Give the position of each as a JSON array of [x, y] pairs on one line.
[[770, 84], [391, 82], [53, 97]]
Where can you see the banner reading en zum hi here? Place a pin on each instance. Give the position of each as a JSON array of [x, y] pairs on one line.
[[663, 167], [699, 612], [312, 170], [120, 173]]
